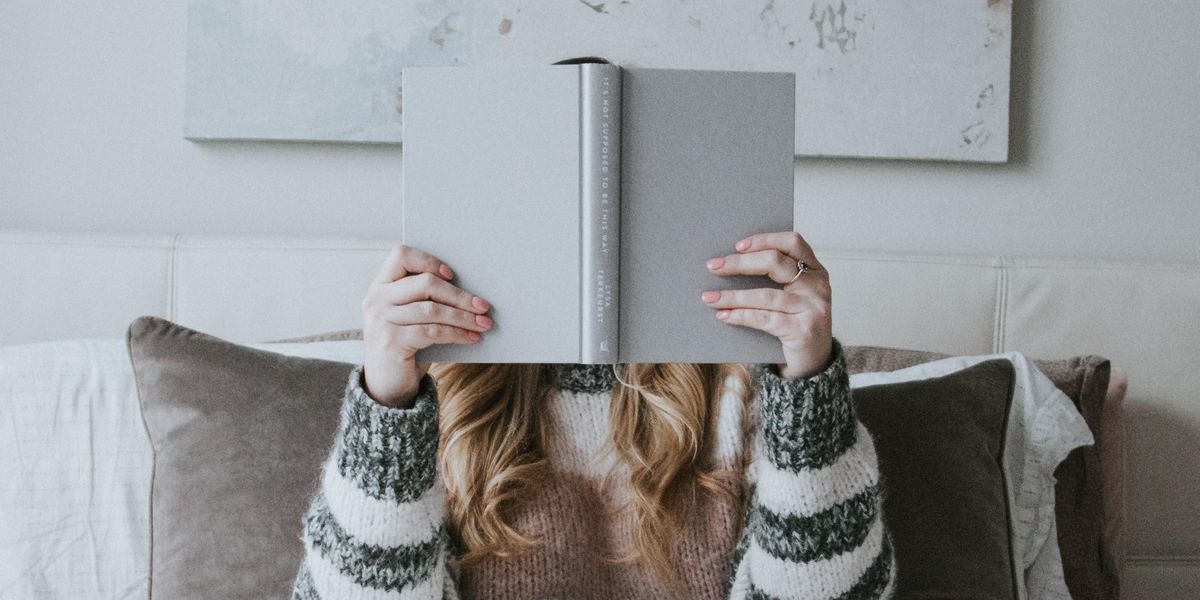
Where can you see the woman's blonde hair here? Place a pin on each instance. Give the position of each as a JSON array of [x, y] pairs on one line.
[[492, 449]]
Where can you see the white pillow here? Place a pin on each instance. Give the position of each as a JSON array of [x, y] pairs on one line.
[[1043, 427], [75, 462]]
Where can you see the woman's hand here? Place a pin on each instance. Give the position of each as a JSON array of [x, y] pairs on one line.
[[410, 305], [799, 315]]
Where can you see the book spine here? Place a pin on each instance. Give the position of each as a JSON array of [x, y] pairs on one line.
[[600, 218]]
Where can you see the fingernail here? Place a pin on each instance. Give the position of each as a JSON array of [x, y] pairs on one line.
[[742, 245], [483, 320], [473, 336], [710, 296], [480, 303], [722, 314], [715, 263], [447, 271]]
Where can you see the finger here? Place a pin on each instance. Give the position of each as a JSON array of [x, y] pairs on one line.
[[790, 243], [788, 300], [773, 322], [771, 262], [427, 286], [429, 311], [765, 298], [428, 334], [405, 260]]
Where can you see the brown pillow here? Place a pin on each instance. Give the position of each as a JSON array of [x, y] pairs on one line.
[[239, 436], [940, 443], [1087, 509]]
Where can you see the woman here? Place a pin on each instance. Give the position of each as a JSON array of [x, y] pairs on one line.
[[599, 481]]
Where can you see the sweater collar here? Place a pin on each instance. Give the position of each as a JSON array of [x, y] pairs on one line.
[[578, 377]]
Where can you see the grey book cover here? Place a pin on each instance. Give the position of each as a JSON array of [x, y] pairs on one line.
[[583, 200]]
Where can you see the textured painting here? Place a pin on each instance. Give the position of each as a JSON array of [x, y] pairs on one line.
[[874, 78]]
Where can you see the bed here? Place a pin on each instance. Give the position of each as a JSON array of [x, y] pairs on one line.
[[1143, 316]]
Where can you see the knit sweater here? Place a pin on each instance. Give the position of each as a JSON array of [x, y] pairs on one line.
[[809, 527]]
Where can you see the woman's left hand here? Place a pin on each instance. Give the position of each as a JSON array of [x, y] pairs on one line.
[[799, 315]]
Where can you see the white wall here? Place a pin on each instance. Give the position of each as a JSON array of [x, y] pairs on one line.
[[1105, 158]]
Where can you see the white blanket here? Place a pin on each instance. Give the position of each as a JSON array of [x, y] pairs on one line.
[[75, 466]]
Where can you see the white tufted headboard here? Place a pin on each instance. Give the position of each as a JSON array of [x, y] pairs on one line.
[[1145, 317]]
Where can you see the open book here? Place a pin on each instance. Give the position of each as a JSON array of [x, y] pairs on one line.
[[582, 201]]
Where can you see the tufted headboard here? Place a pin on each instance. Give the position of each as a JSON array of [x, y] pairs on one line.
[[1143, 316]]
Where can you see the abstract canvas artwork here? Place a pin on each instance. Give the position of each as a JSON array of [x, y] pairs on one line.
[[874, 78]]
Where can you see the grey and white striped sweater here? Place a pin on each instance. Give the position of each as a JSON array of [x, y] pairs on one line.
[[812, 528]]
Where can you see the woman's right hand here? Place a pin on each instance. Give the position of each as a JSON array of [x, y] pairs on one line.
[[410, 305]]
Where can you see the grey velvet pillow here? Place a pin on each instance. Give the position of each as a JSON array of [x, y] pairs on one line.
[[940, 443], [238, 436]]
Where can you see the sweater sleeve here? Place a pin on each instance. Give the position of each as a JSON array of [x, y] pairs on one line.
[[813, 515], [376, 525]]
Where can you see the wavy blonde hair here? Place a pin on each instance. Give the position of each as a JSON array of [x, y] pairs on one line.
[[492, 449]]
